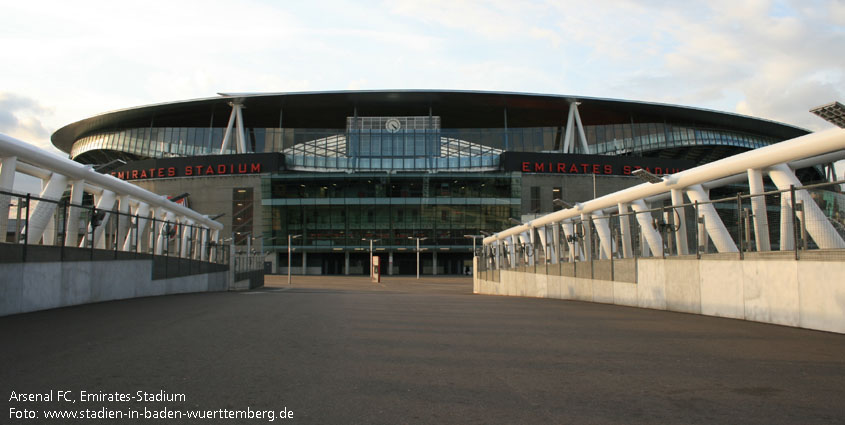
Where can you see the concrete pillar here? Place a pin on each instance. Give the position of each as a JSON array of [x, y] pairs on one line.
[[41, 212], [758, 209], [7, 184], [715, 228], [434, 263], [304, 263], [680, 215], [390, 263], [346, 263]]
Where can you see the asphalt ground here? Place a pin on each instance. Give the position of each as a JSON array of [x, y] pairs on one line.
[[338, 350]]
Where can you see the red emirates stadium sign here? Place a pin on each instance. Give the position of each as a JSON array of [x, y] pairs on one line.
[[200, 166], [554, 163]]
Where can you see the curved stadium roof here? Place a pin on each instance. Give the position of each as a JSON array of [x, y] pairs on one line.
[[457, 109]]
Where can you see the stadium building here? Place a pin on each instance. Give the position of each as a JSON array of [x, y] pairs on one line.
[[342, 169]]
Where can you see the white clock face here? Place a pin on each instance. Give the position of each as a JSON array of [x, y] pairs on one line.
[[392, 125]]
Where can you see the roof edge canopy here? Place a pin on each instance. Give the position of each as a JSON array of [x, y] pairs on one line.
[[457, 109]]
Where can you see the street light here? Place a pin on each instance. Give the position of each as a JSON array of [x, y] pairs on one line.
[[371, 253], [474, 237], [646, 176], [562, 203], [833, 113], [418, 252], [514, 221], [289, 265]]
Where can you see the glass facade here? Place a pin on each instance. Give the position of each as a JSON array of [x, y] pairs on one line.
[[409, 148], [336, 211], [354, 171]]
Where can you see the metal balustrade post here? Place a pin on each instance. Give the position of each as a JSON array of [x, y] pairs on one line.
[[26, 228], [739, 226], [794, 218], [697, 233]]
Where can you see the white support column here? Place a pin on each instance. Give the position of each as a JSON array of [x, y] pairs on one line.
[[215, 236], [105, 204], [569, 233], [524, 239], [532, 256], [512, 252], [41, 212], [680, 215], [817, 224], [570, 129], [758, 209], [123, 220], [161, 235], [714, 225], [543, 235], [647, 230], [588, 237], [204, 233], [605, 238], [625, 230], [238, 107], [227, 136], [787, 238], [555, 251], [7, 183], [185, 246], [77, 190], [582, 136], [144, 227], [500, 249]]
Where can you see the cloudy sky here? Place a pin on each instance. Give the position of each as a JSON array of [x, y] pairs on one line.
[[67, 60]]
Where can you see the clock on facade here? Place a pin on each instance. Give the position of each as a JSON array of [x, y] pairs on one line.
[[392, 125]]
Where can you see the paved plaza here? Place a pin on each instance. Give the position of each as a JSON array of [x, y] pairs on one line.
[[345, 350]]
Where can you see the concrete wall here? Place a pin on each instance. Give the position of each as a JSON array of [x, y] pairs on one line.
[[806, 294], [26, 287]]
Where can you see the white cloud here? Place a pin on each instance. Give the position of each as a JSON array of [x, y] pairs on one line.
[[20, 117], [774, 59]]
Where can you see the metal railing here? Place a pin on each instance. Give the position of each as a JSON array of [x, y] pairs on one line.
[[100, 231], [776, 226]]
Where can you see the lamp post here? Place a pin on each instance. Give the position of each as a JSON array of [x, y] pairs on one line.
[[418, 252], [371, 253], [289, 250], [474, 237]]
